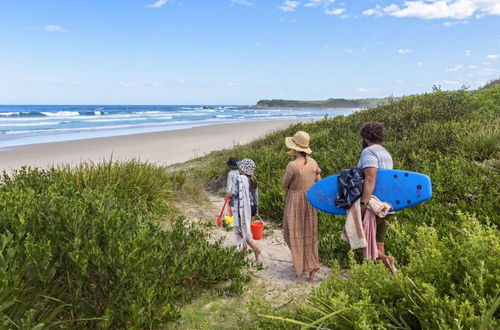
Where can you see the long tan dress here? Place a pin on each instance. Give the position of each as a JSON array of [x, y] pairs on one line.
[[300, 221]]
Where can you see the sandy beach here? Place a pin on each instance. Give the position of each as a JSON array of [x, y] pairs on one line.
[[162, 148]]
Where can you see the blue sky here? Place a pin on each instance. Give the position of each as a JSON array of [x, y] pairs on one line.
[[240, 51]]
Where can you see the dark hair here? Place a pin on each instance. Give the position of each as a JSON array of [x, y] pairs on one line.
[[304, 155], [373, 132]]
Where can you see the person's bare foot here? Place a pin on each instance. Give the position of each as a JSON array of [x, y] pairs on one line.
[[390, 264], [312, 275], [257, 253]]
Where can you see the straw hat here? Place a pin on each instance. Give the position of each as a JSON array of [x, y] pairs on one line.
[[299, 142]]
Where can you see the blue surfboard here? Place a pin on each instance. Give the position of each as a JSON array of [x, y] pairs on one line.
[[402, 189]]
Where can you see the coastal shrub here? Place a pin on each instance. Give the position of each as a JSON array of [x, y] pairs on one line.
[[446, 248], [451, 281], [82, 248]]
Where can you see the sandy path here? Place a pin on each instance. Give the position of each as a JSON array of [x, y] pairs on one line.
[[277, 276]]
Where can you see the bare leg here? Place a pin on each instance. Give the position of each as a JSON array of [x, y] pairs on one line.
[[381, 248], [255, 249], [312, 274], [388, 261]]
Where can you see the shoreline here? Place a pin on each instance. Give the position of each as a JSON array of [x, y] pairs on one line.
[[162, 148]]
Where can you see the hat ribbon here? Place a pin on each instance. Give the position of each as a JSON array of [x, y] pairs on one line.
[[293, 140]]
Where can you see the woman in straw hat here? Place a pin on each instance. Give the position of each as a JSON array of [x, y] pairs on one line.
[[300, 222]]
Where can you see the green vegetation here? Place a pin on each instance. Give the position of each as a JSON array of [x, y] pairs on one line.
[[447, 248], [330, 103], [82, 248]]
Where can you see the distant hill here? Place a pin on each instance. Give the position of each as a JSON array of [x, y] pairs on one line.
[[330, 103]]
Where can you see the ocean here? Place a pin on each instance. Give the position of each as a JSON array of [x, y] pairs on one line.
[[32, 124]]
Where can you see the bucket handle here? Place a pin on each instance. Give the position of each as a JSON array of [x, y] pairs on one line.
[[260, 219]]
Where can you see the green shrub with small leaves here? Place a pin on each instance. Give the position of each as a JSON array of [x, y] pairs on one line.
[[82, 248], [446, 248]]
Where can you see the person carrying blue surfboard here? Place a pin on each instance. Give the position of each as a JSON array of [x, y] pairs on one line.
[[373, 157]]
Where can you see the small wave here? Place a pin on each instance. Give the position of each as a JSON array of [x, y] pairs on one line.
[[79, 129], [30, 124], [60, 114], [145, 112], [110, 120], [223, 116], [9, 114]]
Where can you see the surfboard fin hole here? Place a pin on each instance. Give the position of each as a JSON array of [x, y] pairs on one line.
[[408, 202], [395, 176], [397, 202]]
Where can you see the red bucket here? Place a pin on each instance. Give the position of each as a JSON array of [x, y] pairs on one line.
[[257, 229]]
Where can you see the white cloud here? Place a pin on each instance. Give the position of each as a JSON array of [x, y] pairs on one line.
[[404, 51], [348, 50], [473, 67], [373, 12], [451, 82], [314, 3], [467, 52], [326, 5], [399, 81], [241, 2], [158, 4], [55, 28], [439, 9], [419, 63], [455, 68], [363, 90], [335, 11], [379, 11], [289, 5], [317, 3], [452, 24], [493, 56]]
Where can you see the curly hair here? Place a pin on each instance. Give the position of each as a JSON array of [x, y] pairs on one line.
[[373, 132]]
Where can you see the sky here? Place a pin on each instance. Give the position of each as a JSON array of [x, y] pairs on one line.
[[240, 51]]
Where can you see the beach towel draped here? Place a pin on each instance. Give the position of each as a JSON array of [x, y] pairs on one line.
[[242, 211]]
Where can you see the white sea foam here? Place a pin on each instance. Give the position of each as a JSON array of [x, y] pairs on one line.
[[30, 124], [9, 113], [78, 129], [145, 112], [60, 114], [110, 120]]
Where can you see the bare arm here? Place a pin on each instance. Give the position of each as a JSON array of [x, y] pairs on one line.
[[288, 176], [318, 175], [369, 183]]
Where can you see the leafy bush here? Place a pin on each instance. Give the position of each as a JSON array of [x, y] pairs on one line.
[[447, 248], [83, 248]]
